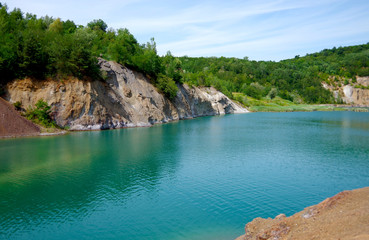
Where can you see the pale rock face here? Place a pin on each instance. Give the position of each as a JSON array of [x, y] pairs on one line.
[[363, 81], [347, 91], [355, 96], [125, 99], [350, 94]]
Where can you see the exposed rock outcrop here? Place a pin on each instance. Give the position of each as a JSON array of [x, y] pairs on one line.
[[12, 124], [125, 99], [355, 93], [355, 96], [344, 216]]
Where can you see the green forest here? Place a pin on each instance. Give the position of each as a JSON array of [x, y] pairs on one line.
[[48, 47]]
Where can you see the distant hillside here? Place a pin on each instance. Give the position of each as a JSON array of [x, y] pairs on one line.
[[299, 79], [46, 47]]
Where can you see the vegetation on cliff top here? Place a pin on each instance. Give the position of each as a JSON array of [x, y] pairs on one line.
[[298, 80], [47, 47]]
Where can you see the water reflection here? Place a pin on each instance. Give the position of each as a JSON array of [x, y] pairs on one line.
[[190, 179], [68, 176]]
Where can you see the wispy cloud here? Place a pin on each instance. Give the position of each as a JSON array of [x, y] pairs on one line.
[[268, 29], [204, 13], [283, 30]]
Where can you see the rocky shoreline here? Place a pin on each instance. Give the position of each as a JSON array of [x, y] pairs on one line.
[[344, 216], [125, 98]]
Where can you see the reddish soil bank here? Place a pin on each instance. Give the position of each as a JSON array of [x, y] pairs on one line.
[[344, 216], [12, 124]]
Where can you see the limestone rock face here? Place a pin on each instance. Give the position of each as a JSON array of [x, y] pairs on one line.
[[352, 93], [355, 96], [124, 99], [363, 81]]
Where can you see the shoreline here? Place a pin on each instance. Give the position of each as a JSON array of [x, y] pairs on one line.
[[301, 108], [309, 108], [42, 134], [343, 216]]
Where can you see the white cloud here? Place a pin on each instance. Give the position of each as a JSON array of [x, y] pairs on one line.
[[269, 29]]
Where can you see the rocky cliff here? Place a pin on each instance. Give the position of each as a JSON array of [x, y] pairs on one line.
[[124, 99], [344, 216], [355, 93]]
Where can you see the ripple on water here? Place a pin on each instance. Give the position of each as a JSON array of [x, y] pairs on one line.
[[198, 179]]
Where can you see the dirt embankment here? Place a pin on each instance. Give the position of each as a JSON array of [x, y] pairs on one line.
[[344, 216], [12, 124]]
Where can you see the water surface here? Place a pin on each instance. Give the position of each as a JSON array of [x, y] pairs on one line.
[[194, 179]]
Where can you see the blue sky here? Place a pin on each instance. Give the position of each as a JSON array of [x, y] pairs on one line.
[[260, 30]]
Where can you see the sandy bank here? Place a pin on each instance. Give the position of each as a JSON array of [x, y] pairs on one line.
[[344, 216]]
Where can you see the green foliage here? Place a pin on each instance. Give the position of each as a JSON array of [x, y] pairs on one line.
[[173, 67], [69, 27], [298, 79], [167, 86], [41, 114], [147, 59], [97, 25], [57, 26], [47, 47], [123, 48], [254, 90], [18, 105], [41, 47], [272, 93]]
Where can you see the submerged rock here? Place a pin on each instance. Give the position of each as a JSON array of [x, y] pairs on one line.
[[124, 99]]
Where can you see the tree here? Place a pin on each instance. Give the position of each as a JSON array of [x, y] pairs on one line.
[[272, 93], [33, 57], [167, 86], [173, 67], [97, 24], [56, 26], [69, 27], [147, 59], [123, 47]]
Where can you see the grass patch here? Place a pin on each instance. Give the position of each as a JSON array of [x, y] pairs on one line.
[[278, 104]]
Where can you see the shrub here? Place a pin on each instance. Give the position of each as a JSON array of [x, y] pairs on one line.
[[273, 93], [167, 86], [41, 114], [18, 105], [255, 90]]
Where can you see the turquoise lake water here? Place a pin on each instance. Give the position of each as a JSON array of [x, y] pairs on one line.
[[195, 179]]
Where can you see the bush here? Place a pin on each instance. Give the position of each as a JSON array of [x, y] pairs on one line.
[[18, 105], [167, 86], [285, 95], [41, 114], [255, 90], [273, 93]]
